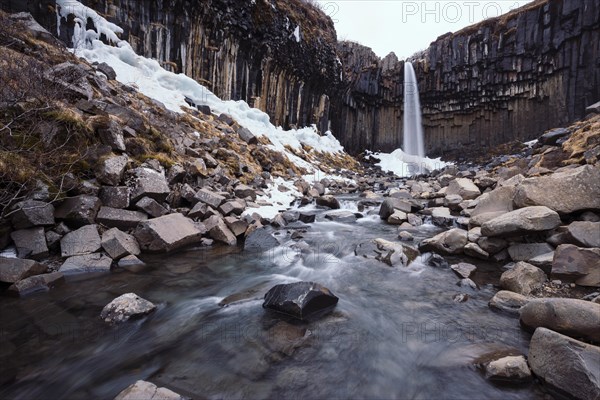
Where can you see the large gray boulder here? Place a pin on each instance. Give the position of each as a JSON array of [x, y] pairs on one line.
[[37, 283], [219, 231], [509, 302], [84, 240], [243, 191], [142, 390], [30, 243], [148, 183], [78, 211], [527, 251], [115, 196], [209, 197], [577, 264], [391, 204], [301, 300], [125, 307], [390, 253], [118, 244], [463, 187], [523, 278], [151, 207], [121, 219], [498, 200], [564, 192], [328, 201], [260, 240], [14, 269], [449, 242], [168, 233], [522, 221], [32, 213], [579, 319], [86, 264], [342, 216], [584, 233], [566, 364], [110, 170]]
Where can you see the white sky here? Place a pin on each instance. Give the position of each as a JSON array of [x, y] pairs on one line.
[[405, 26]]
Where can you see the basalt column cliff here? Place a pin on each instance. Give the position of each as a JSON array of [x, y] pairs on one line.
[[507, 78]]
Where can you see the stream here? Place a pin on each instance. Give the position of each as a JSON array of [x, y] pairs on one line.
[[396, 333]]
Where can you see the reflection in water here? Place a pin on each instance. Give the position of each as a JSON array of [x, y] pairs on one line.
[[396, 332]]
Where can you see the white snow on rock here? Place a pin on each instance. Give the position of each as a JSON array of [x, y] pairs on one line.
[[403, 164], [171, 89]]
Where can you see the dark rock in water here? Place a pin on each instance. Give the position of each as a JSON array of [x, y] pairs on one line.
[[36, 283], [260, 240], [341, 216], [126, 306], [328, 201], [307, 218], [86, 264], [15, 269], [437, 261], [510, 369], [390, 205], [566, 364], [300, 300], [460, 298]]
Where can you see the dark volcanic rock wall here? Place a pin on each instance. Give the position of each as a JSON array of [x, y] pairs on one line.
[[507, 78], [241, 50]]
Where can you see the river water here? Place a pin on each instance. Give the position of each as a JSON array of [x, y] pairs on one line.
[[396, 333]]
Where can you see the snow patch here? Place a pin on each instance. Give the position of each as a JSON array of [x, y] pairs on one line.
[[297, 34], [404, 165]]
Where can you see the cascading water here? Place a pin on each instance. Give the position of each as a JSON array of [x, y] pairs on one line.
[[413, 128]]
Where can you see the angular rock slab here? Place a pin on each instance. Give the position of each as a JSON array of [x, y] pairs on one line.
[[579, 319], [119, 244], [36, 283], [449, 242], [300, 300], [564, 192], [121, 219], [509, 302], [30, 213], [576, 264], [79, 211], [84, 240], [463, 270], [86, 264], [566, 364], [149, 183], [30, 243], [126, 307], [142, 390], [15, 269], [387, 252], [168, 233], [523, 278], [260, 240], [522, 221]]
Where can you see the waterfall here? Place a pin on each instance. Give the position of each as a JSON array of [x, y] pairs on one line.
[[413, 128]]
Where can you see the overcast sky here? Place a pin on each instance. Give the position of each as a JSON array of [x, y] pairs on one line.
[[404, 26]]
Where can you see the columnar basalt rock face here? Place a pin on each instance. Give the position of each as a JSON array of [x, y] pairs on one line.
[[240, 50], [509, 78]]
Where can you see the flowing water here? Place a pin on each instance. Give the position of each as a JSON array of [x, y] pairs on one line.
[[396, 333], [413, 127]]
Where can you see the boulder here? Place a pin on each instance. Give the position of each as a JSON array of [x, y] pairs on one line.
[[498, 200], [209, 197], [473, 250], [130, 262], [397, 218], [121, 219], [565, 192], [508, 301], [301, 300], [168, 233], [527, 251], [243, 192], [147, 182], [247, 136], [115, 196], [221, 233], [30, 243], [110, 170], [111, 134], [78, 211], [522, 221], [236, 226], [391, 204], [449, 242], [551, 137], [463, 187], [15, 269], [196, 168], [36, 283], [492, 245], [510, 369], [343, 216], [125, 307], [84, 240], [579, 319], [88, 263], [390, 253], [32, 213], [436, 261], [440, 216], [236, 207], [523, 278], [151, 207], [577, 264], [328, 201], [142, 390], [119, 244], [463, 270], [307, 218], [584, 233], [566, 364], [260, 240]]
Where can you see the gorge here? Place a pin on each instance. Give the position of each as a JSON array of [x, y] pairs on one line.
[[504, 79]]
